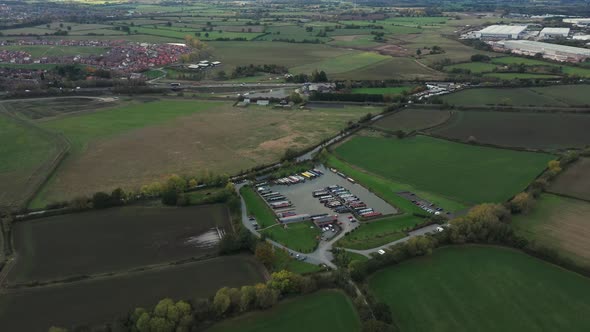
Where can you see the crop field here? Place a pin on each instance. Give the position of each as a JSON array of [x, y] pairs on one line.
[[46, 246], [290, 32], [559, 223], [47, 108], [342, 64], [390, 91], [404, 68], [180, 33], [356, 41], [509, 60], [103, 299], [29, 149], [302, 236], [574, 181], [140, 142], [326, 310], [286, 54], [456, 171], [519, 129], [427, 293], [379, 232], [412, 119]]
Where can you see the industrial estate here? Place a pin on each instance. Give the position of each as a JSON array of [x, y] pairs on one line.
[[309, 165]]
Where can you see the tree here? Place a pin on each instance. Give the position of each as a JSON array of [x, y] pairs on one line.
[[290, 154], [295, 98], [418, 52], [265, 296], [222, 301], [176, 183], [285, 282], [143, 323], [265, 254], [192, 183], [554, 167], [170, 197], [247, 298], [117, 197], [101, 200], [522, 203], [382, 312]]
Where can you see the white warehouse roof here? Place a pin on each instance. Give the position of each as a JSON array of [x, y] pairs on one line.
[[555, 31], [534, 46], [503, 29]]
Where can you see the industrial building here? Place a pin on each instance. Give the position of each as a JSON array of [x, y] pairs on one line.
[[581, 22], [547, 50], [497, 32], [552, 33]]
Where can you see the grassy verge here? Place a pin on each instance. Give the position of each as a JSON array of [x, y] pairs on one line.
[[377, 233], [285, 262]]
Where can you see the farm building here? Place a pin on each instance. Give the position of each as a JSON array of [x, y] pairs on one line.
[[295, 218], [548, 51], [551, 33], [497, 32]]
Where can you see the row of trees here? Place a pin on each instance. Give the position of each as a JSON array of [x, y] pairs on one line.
[[253, 70]]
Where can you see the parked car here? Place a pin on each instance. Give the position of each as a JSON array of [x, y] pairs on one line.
[[381, 252]]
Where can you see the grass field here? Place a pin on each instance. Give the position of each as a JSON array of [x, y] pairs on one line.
[[495, 96], [29, 148], [291, 32], [342, 64], [523, 76], [301, 236], [483, 289], [387, 189], [57, 247], [559, 223], [413, 119], [474, 67], [140, 142], [377, 233], [456, 171], [321, 311], [519, 129], [104, 299], [283, 261], [574, 181], [390, 91]]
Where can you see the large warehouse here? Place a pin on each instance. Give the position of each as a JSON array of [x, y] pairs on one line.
[[547, 50], [551, 33], [581, 22], [496, 32]]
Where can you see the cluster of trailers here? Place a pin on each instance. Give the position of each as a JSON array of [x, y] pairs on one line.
[[342, 175], [300, 177], [340, 200], [275, 199]]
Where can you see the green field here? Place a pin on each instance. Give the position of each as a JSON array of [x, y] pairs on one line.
[[556, 95], [410, 119], [495, 96], [475, 288], [397, 90], [379, 232], [302, 236], [29, 148], [510, 60], [457, 171], [203, 35], [321, 311], [387, 189], [342, 64], [523, 76], [474, 67]]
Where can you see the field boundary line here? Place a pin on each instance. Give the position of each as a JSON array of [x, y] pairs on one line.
[[567, 196]]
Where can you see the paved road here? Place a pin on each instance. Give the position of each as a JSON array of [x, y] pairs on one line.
[[421, 231]]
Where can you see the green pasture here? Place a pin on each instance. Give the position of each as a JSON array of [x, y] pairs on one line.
[[473, 288], [522, 76], [322, 311], [37, 51], [342, 64], [466, 173], [474, 67]]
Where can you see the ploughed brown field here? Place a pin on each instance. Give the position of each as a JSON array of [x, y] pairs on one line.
[[574, 181]]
